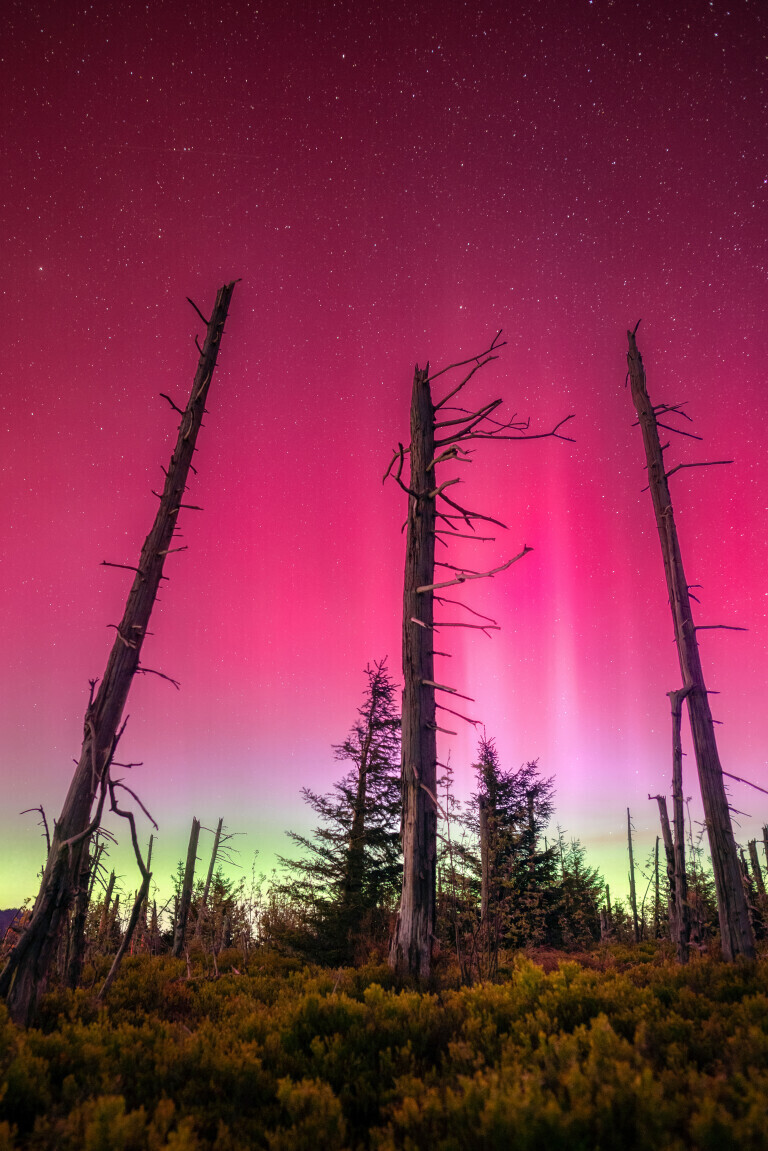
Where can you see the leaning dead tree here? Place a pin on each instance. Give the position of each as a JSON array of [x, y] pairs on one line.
[[27, 971], [434, 516], [735, 929]]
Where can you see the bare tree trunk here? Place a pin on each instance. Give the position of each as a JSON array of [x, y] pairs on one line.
[[632, 893], [354, 864], [27, 971], [485, 858], [669, 852], [756, 870], [682, 910], [76, 949], [105, 907], [145, 905], [411, 944], [185, 899], [656, 931], [212, 864], [735, 929]]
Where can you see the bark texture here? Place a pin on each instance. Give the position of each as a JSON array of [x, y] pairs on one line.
[[682, 908], [735, 929], [669, 853], [411, 945], [185, 899], [27, 972], [632, 891]]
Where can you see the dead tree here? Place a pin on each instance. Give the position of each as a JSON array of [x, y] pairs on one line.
[[632, 891], [185, 897], [682, 910], [669, 854], [432, 444], [756, 869], [212, 864], [485, 857], [27, 971], [735, 930]]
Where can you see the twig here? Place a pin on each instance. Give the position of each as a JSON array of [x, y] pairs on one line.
[[200, 314], [705, 464], [175, 407], [151, 671], [463, 576]]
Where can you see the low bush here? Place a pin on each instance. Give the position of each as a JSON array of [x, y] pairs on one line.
[[600, 1053]]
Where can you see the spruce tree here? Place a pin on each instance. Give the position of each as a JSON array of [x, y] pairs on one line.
[[347, 879]]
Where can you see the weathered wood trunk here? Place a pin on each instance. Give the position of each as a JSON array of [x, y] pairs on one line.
[[411, 945], [735, 930], [185, 899], [76, 948], [757, 873], [212, 864], [105, 909], [656, 892], [682, 910], [485, 857], [632, 891], [354, 863], [27, 971], [669, 854]]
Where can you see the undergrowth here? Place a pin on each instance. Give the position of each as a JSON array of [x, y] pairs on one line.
[[619, 1050]]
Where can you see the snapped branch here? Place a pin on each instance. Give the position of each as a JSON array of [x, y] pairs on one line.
[[463, 576]]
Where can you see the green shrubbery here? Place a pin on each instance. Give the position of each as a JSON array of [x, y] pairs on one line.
[[615, 1054]]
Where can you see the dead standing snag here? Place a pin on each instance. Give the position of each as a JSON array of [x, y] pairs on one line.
[[735, 929], [26, 974], [411, 943]]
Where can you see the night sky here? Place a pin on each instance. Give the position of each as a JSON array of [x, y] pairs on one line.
[[393, 183]]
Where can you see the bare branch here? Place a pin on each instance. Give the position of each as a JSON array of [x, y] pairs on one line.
[[706, 464], [463, 576], [447, 484], [443, 687], [481, 413], [452, 453], [119, 783], [486, 627], [128, 567], [467, 515], [714, 626], [680, 432], [151, 671], [43, 822], [458, 714], [175, 407], [200, 314], [748, 783], [554, 434], [466, 536], [441, 599]]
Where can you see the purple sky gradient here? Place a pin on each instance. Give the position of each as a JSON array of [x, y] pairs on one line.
[[392, 185]]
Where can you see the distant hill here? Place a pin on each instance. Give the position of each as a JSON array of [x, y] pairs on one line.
[[6, 919]]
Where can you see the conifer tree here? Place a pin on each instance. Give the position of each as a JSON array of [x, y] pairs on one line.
[[349, 873]]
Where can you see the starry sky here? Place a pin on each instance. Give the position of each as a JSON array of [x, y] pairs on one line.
[[392, 184]]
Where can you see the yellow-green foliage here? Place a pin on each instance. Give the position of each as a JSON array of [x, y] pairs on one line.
[[641, 1054]]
